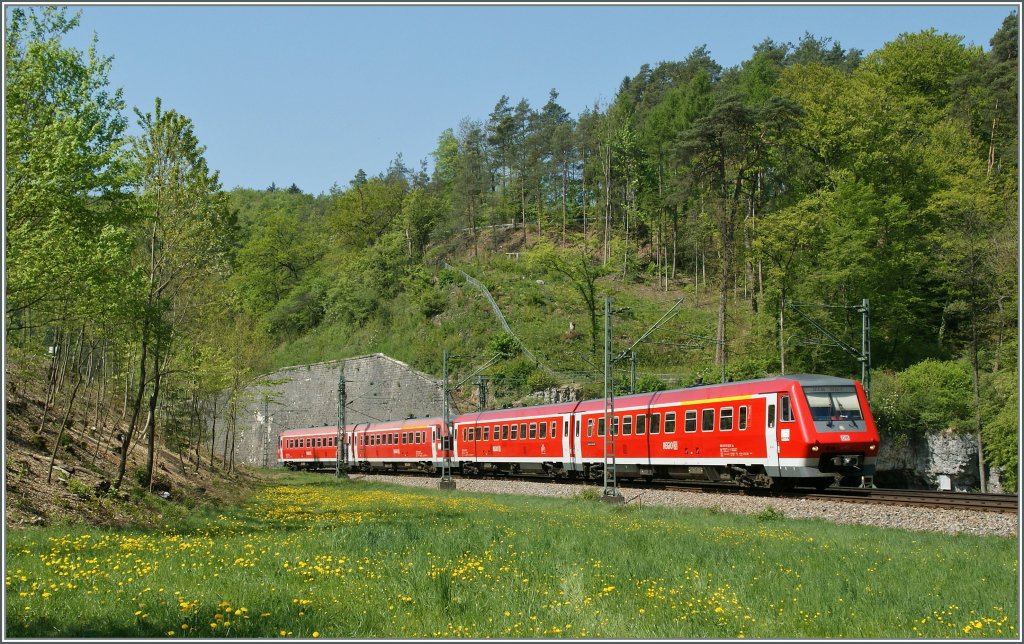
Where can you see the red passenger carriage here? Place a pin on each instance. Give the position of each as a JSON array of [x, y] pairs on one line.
[[770, 432]]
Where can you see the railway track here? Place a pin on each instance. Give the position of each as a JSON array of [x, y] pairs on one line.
[[1002, 503], [998, 503]]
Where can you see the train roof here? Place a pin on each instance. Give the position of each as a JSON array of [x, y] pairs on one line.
[[745, 386], [389, 424]]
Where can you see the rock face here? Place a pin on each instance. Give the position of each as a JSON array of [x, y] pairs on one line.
[[377, 388], [943, 460]]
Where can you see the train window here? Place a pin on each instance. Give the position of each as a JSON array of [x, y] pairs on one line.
[[725, 420], [543, 431], [515, 432], [771, 415], [787, 410], [707, 420], [670, 422], [627, 425], [533, 430], [590, 427], [743, 418], [600, 426], [504, 432], [330, 442], [465, 434], [565, 429], [641, 424], [319, 442], [690, 421], [655, 423], [487, 433], [405, 438], [578, 428], [615, 425]]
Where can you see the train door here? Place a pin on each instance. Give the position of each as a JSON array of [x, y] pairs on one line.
[[771, 433], [568, 443], [435, 444]]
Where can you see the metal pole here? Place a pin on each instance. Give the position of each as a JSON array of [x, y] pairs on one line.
[[865, 347], [341, 453], [610, 492], [632, 372], [446, 439], [782, 337], [266, 430]]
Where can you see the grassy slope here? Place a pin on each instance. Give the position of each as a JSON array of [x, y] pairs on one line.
[[538, 307]]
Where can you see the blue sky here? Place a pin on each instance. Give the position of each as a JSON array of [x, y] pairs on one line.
[[312, 93]]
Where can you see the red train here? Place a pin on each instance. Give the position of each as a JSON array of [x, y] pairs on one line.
[[767, 433]]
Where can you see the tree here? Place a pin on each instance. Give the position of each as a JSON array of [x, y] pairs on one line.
[[66, 220], [185, 234], [472, 179], [582, 273]]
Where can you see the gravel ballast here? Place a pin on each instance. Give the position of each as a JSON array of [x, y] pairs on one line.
[[883, 516]]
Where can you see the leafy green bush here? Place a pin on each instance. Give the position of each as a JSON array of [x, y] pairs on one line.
[[929, 396], [79, 489], [770, 513]]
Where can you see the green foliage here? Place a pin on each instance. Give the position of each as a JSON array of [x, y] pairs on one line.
[[650, 383], [1000, 409], [67, 250], [504, 345], [540, 380], [770, 513], [929, 396], [80, 489]]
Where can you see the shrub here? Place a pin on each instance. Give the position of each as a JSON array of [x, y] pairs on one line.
[[769, 514], [79, 489]]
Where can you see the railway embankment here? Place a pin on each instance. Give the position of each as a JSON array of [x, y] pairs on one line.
[[884, 516]]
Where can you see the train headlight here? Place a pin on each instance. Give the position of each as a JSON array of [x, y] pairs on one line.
[[872, 447], [814, 448]]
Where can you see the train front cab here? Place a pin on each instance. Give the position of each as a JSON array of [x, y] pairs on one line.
[[824, 431]]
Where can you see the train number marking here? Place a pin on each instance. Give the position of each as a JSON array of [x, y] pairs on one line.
[[670, 445], [844, 438]]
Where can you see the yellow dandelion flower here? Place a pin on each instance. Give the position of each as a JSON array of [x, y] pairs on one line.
[[316, 633]]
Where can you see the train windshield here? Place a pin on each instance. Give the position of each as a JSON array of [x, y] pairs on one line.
[[832, 404]]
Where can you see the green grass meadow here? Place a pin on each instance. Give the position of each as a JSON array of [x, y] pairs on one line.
[[313, 556]]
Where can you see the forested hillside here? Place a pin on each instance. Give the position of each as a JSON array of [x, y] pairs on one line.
[[772, 198]]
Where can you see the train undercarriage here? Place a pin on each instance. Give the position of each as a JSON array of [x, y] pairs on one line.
[[751, 477]]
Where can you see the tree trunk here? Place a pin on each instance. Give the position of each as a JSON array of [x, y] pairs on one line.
[[67, 412], [136, 407], [151, 421]]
